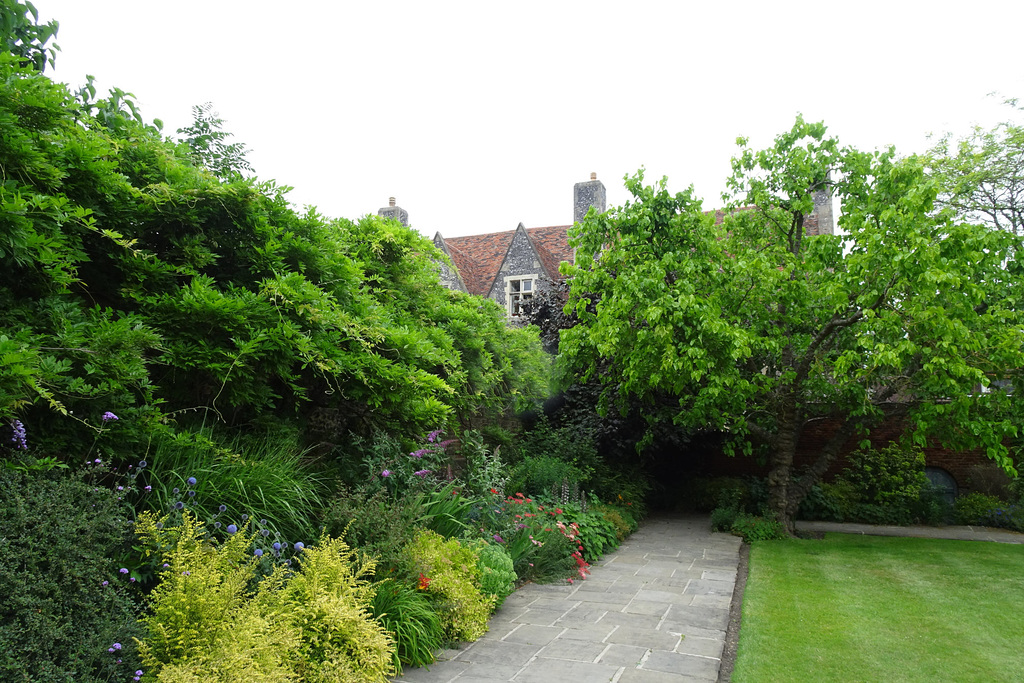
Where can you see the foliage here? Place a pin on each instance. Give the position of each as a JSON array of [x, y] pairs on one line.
[[262, 476], [741, 322], [541, 474], [25, 37], [982, 175], [798, 591], [452, 580], [379, 525], [620, 519], [404, 473], [408, 616], [205, 140], [753, 528], [893, 475], [975, 508], [135, 282], [203, 619], [65, 602], [484, 469], [328, 600], [497, 573]]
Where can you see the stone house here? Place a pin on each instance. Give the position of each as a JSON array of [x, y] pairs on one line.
[[511, 266]]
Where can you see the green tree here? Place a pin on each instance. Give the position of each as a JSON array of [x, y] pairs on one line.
[[22, 34], [982, 174], [207, 147], [739, 321]]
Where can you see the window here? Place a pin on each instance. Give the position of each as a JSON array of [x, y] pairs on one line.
[[517, 290]]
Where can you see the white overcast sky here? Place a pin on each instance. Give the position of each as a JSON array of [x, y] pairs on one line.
[[480, 115]]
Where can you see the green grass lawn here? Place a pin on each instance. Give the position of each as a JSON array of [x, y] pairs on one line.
[[867, 608]]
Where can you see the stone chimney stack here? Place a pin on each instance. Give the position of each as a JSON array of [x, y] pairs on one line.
[[396, 212], [586, 195]]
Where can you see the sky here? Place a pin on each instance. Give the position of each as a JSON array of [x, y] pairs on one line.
[[478, 116]]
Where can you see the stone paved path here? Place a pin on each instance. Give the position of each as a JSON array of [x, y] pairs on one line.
[[654, 610]]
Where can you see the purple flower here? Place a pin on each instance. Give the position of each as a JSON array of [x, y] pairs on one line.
[[117, 646], [432, 436], [386, 473], [105, 583], [148, 489], [20, 439], [123, 570], [179, 505], [223, 508], [422, 473], [139, 672], [216, 525], [191, 481], [97, 461], [276, 546], [419, 454], [108, 416], [265, 532], [166, 566], [498, 538], [120, 488], [232, 528], [142, 463], [299, 546], [259, 552]]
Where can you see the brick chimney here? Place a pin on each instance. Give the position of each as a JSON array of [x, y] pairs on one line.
[[396, 212], [586, 195]]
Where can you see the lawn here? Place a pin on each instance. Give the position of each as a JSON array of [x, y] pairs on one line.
[[866, 608]]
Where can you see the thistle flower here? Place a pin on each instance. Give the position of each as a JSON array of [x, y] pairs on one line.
[[232, 528], [299, 546], [258, 552], [179, 505], [191, 481]]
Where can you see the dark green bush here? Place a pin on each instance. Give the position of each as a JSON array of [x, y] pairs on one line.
[[538, 475], [975, 508], [377, 525], [890, 477], [752, 528], [65, 604], [723, 518]]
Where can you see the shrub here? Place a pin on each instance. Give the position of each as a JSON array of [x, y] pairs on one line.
[[722, 518], [64, 601], [889, 479], [975, 508], [328, 601], [452, 578], [620, 519], [497, 573], [203, 620], [484, 469], [207, 622], [540, 474], [752, 528], [408, 616], [378, 524]]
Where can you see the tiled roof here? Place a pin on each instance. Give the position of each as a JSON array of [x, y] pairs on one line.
[[479, 257], [552, 245]]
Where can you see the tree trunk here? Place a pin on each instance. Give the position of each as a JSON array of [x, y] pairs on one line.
[[780, 472]]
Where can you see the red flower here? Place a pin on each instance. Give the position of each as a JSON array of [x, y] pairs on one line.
[[494, 491], [424, 582]]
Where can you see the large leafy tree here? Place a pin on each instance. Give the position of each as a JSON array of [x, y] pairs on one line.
[[982, 174], [739, 321]]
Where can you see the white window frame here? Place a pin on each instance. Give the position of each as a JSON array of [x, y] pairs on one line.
[[513, 299]]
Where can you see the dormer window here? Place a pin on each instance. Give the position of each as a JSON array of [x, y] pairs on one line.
[[518, 289]]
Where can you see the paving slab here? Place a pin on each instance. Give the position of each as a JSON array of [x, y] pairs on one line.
[[653, 611]]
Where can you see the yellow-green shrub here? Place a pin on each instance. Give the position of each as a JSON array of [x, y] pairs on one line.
[[206, 624], [328, 600], [497, 573], [202, 618], [452, 578]]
